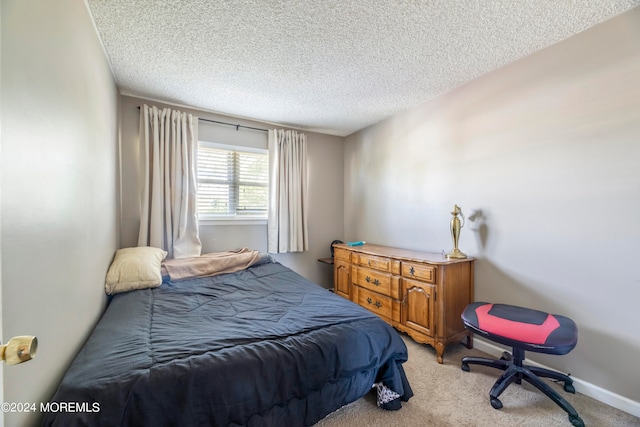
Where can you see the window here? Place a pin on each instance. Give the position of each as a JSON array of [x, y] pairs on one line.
[[232, 182]]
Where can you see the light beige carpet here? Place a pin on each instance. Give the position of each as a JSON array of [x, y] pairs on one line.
[[444, 396]]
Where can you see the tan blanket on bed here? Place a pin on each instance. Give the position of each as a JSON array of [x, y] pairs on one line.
[[209, 264]]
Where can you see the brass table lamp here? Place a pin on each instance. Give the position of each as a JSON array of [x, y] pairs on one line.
[[455, 253]]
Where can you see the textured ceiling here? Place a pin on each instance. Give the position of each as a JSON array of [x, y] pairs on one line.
[[329, 66]]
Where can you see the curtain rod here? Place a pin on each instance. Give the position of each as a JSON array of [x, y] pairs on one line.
[[237, 126]]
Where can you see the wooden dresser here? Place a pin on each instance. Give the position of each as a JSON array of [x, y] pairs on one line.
[[419, 293]]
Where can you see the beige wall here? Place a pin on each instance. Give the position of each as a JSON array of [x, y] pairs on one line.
[[548, 150], [325, 157], [59, 200]]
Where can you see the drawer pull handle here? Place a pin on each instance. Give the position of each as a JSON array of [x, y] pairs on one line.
[[369, 263], [378, 304], [412, 271], [374, 281]]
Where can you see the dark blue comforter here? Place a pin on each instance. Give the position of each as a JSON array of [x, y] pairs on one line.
[[260, 347]]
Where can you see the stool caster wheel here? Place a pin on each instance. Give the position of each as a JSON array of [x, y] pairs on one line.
[[495, 402], [506, 356], [465, 367], [569, 388], [576, 421]]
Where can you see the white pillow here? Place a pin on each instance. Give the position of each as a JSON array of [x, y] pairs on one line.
[[134, 268]]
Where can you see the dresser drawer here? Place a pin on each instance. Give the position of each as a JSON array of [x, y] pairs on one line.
[[342, 254], [375, 302], [424, 272], [375, 262], [376, 281]]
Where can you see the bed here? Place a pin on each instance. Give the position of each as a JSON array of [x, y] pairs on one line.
[[261, 346]]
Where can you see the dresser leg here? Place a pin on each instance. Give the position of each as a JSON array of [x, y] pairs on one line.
[[439, 351]]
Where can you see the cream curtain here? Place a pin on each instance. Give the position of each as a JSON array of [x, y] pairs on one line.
[[287, 220], [168, 216]]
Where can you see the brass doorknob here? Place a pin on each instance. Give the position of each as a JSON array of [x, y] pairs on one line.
[[19, 349]]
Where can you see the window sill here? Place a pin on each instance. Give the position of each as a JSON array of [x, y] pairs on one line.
[[232, 221]]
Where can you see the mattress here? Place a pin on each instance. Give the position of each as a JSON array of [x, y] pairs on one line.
[[259, 347]]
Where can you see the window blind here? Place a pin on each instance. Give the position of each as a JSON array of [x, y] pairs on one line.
[[232, 181]]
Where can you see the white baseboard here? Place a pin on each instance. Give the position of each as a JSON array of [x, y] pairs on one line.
[[605, 396]]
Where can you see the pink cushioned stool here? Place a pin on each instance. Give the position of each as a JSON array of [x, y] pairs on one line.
[[523, 329]]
